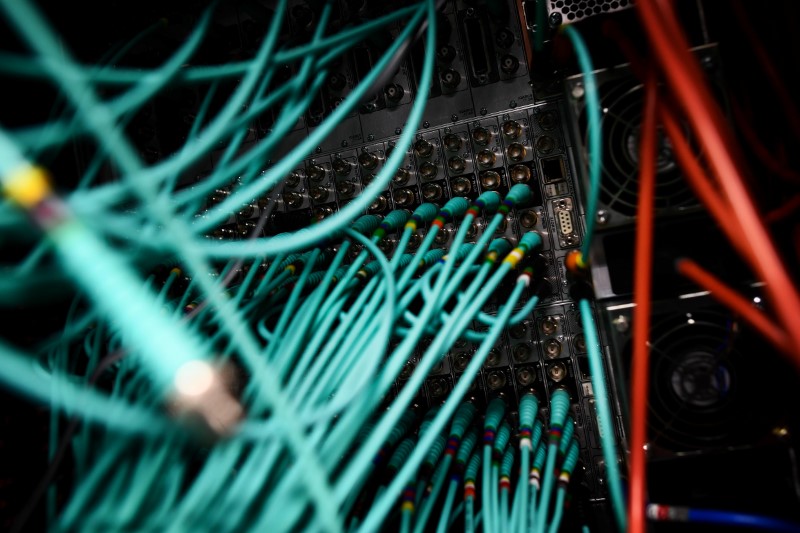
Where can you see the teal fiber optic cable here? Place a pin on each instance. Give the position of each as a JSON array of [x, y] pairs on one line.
[[570, 461], [309, 236], [528, 408], [605, 424], [460, 318], [30, 24], [291, 305], [498, 451], [505, 488], [462, 457], [313, 234], [461, 422], [380, 508], [559, 405], [594, 134], [470, 476], [386, 321], [18, 65]]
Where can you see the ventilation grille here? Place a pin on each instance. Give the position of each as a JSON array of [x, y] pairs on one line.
[[575, 10], [622, 101], [714, 383]]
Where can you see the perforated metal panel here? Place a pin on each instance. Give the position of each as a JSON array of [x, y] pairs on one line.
[[575, 10]]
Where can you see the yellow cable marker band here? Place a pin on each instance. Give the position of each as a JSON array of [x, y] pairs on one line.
[[176, 270], [407, 506], [514, 257], [27, 186], [579, 261], [291, 268]]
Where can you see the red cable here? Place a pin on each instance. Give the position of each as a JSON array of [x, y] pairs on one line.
[[697, 178], [736, 303], [687, 159], [684, 76], [643, 273]]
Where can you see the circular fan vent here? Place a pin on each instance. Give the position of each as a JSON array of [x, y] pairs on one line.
[[621, 101], [705, 391]]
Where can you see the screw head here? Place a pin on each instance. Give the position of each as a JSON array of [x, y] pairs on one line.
[[370, 137], [344, 144], [621, 323], [603, 217], [426, 124], [555, 19], [398, 131], [484, 111], [578, 91], [454, 117]]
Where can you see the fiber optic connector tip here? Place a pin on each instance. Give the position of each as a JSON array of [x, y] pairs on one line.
[[531, 240], [520, 194], [502, 438], [395, 219], [466, 447], [489, 201], [494, 413], [566, 436], [572, 457], [366, 224], [425, 213], [559, 405], [575, 263], [462, 419], [541, 454], [528, 407], [500, 246], [400, 455], [203, 398], [473, 466], [507, 464], [432, 256], [456, 207]]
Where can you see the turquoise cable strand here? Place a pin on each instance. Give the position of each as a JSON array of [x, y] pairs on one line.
[[605, 424], [594, 133], [380, 507]]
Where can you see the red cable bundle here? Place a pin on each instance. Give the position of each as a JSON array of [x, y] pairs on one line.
[[685, 78], [727, 200]]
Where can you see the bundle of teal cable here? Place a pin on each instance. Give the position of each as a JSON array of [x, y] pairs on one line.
[[252, 385], [500, 504]]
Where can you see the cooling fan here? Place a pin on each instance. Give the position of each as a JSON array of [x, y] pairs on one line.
[[714, 384], [621, 99], [622, 116]]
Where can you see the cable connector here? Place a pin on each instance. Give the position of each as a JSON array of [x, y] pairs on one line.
[[454, 208], [391, 222], [576, 264], [488, 201], [569, 463], [202, 396], [528, 242], [27, 186]]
